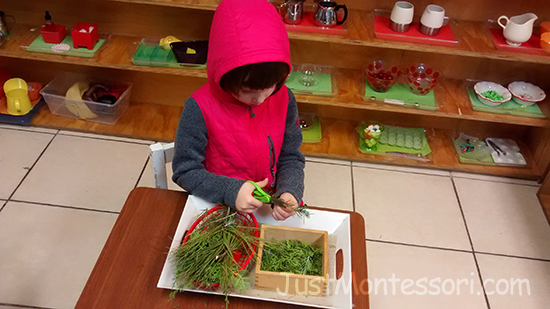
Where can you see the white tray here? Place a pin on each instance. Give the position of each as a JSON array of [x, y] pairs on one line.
[[339, 293]]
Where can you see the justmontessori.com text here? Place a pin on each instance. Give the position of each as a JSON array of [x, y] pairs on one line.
[[407, 286]]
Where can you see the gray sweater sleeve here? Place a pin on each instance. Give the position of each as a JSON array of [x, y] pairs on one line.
[[188, 164], [291, 163]]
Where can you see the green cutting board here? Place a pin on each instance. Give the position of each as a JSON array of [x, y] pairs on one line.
[[508, 108], [39, 46], [153, 55], [403, 93]]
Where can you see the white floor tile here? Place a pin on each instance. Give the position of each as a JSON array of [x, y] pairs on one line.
[[458, 285], [328, 185], [147, 177], [47, 253], [409, 208], [328, 161], [504, 218], [27, 128], [18, 152], [494, 178], [107, 137], [415, 170], [84, 172], [507, 275]]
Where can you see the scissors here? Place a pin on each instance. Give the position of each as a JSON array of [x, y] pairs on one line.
[[264, 197]]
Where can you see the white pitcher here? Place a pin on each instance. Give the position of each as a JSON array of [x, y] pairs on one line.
[[518, 29]]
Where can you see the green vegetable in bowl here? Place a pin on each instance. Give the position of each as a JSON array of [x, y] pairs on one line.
[[492, 95]]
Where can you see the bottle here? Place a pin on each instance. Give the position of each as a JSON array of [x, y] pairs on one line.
[[48, 24]]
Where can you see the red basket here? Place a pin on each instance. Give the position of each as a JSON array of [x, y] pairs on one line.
[[245, 219]]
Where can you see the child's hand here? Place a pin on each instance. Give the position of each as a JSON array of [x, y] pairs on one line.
[[245, 202], [281, 213]]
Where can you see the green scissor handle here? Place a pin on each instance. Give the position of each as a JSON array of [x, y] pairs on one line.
[[260, 194]]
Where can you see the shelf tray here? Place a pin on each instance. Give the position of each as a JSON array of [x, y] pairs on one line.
[[308, 22], [382, 30], [488, 160], [532, 46], [508, 108], [39, 46], [324, 86], [20, 120], [149, 53], [399, 94], [313, 134], [387, 149]]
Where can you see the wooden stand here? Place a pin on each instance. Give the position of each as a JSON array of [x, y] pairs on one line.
[[159, 93], [293, 283]]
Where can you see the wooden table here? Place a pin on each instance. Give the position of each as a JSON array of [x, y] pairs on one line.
[[129, 267]]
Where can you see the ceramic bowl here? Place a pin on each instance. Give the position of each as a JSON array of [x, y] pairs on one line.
[[382, 75], [525, 93], [483, 87], [421, 78], [180, 51]]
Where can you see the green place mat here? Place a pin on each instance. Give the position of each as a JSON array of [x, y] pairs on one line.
[[385, 148], [323, 86], [313, 134], [153, 55], [403, 93], [39, 46], [508, 108]]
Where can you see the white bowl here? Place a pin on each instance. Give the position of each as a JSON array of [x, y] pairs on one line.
[[482, 87], [526, 93]]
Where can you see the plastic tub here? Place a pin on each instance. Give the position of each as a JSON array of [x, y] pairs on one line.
[[55, 95]]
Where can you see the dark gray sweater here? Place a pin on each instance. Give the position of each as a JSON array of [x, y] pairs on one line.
[[190, 149]]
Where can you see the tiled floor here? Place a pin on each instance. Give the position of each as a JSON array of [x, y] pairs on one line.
[[432, 236]]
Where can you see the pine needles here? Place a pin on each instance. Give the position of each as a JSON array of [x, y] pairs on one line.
[[292, 256], [208, 258]]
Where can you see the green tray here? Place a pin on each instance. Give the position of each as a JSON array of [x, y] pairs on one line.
[[323, 86], [39, 46], [313, 134], [386, 148], [488, 160], [402, 93], [508, 108], [150, 54]]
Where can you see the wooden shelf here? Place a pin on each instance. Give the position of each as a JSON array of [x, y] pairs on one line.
[[116, 54], [474, 39], [451, 95], [341, 142], [159, 122]]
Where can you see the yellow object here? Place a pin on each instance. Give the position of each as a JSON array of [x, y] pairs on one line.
[[74, 102], [165, 42], [17, 97], [190, 51]]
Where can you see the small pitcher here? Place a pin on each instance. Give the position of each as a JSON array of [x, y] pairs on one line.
[[327, 14], [292, 11], [518, 29]]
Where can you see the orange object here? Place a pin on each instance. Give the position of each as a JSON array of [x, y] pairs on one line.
[[34, 90], [544, 27], [545, 41]]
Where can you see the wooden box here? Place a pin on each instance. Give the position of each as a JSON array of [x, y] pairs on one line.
[[288, 282]]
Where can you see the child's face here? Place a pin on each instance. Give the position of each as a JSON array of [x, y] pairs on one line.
[[254, 96]]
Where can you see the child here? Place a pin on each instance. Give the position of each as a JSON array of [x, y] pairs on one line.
[[243, 125]]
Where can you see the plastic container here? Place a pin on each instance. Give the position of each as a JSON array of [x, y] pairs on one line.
[[54, 93], [53, 34], [85, 39]]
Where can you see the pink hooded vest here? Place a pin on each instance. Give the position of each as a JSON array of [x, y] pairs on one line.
[[243, 142]]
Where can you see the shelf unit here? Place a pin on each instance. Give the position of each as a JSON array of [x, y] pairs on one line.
[[159, 93]]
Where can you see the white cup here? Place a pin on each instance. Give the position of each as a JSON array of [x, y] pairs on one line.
[[402, 13], [433, 16]]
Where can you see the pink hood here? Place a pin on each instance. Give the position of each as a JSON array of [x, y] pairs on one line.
[[237, 39]]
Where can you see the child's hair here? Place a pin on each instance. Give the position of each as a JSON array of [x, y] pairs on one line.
[[255, 76]]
